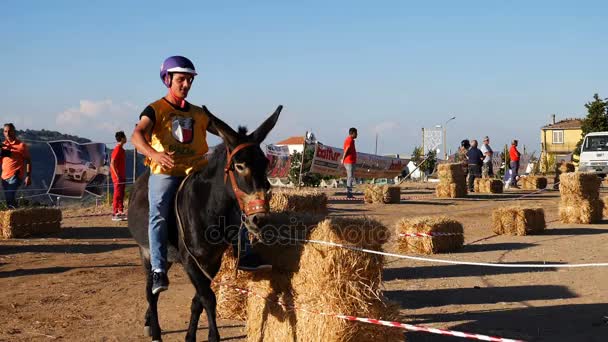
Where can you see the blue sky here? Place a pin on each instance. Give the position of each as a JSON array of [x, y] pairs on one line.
[[387, 67]]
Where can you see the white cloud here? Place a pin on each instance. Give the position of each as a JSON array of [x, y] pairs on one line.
[[97, 119]]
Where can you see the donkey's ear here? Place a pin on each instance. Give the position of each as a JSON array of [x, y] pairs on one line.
[[219, 127], [261, 132]]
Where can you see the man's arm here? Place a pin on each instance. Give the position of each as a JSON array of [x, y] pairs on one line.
[[138, 138]]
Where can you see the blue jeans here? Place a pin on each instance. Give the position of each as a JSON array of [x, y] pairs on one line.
[[350, 172], [161, 195], [514, 170], [10, 187]]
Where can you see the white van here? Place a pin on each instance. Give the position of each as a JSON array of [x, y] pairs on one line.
[[594, 153]]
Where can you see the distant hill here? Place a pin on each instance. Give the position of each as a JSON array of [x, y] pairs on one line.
[[43, 161]]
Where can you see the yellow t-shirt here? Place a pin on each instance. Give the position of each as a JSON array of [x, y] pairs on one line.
[[181, 132]]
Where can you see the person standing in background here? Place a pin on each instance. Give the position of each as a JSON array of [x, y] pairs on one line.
[[118, 171], [514, 165], [475, 160], [349, 159], [16, 165], [487, 169]]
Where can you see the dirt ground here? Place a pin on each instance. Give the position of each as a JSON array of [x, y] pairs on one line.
[[86, 283]]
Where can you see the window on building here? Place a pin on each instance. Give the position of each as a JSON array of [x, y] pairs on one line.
[[558, 137]]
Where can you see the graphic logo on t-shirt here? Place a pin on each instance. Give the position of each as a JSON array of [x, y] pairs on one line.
[[181, 128]]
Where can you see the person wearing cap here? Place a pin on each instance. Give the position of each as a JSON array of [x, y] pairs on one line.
[[514, 156], [171, 133], [487, 169]]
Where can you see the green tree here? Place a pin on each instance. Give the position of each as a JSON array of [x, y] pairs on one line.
[[418, 157], [596, 120], [308, 178]]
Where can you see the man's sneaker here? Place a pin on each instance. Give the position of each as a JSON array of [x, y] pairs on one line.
[[160, 282], [116, 218], [252, 263]]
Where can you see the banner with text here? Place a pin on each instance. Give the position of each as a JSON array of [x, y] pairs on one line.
[[326, 161]]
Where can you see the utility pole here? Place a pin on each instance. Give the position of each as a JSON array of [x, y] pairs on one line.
[[376, 150], [445, 137]]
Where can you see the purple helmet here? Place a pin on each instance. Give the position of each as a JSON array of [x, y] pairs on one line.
[[175, 64]]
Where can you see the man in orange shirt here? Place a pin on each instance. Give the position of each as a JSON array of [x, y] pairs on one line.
[[16, 165], [349, 159], [514, 156]]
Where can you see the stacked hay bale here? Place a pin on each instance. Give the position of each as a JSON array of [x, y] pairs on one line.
[[382, 194], [580, 202], [20, 223], [448, 235], [605, 200], [533, 182], [324, 278], [452, 183], [300, 201], [488, 186], [517, 220], [230, 304]]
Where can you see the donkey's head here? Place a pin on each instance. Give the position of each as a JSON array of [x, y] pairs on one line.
[[246, 167]]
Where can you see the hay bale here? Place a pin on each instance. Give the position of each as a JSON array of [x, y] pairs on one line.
[[299, 200], [533, 182], [230, 303], [429, 245], [581, 184], [382, 194], [580, 202], [583, 211], [450, 172], [605, 200], [328, 279], [391, 194], [488, 186], [26, 222], [517, 220], [451, 190]]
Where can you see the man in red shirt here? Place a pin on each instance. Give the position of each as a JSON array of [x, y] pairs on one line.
[[118, 171], [514, 156], [16, 165], [349, 159]]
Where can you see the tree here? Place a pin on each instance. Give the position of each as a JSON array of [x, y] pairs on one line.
[[596, 120], [418, 157], [308, 178]]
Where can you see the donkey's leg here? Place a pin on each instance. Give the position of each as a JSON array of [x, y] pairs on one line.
[[204, 298]]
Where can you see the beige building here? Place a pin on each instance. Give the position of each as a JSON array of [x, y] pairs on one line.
[[558, 141]]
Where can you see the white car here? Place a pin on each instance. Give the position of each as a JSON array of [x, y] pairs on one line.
[[594, 153], [80, 172]]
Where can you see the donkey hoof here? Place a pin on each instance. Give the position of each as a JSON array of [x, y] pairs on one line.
[[147, 331]]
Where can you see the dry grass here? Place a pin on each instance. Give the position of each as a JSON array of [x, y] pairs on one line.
[[518, 220], [429, 245], [327, 279], [28, 222], [452, 183], [231, 304], [302, 201], [584, 211]]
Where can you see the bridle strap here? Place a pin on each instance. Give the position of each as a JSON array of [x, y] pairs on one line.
[[254, 206]]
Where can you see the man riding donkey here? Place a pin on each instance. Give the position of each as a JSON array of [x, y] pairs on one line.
[[171, 133]]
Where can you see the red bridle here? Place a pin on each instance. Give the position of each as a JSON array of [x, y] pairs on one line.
[[257, 203]]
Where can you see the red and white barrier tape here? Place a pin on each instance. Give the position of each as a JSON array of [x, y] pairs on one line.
[[429, 234], [400, 325]]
